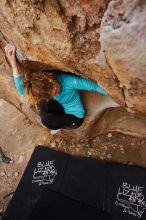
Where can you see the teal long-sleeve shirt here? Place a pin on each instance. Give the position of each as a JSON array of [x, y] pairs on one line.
[[69, 96]]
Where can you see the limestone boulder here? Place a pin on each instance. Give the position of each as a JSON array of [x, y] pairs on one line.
[[123, 37]]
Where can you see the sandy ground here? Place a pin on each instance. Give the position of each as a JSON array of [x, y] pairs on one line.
[[18, 137]]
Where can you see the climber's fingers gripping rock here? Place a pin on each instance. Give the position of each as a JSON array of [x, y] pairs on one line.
[[10, 51]]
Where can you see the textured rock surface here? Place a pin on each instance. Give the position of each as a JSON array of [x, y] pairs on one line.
[[100, 39], [123, 36]]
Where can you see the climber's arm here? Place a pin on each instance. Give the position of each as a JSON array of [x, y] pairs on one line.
[[85, 84], [18, 80], [19, 84], [10, 51]]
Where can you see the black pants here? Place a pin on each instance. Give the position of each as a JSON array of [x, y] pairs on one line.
[[53, 117]]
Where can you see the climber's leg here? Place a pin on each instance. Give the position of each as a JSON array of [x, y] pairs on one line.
[[51, 107], [60, 120]]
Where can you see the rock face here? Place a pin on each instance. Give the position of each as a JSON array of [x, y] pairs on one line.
[[123, 35], [103, 40]]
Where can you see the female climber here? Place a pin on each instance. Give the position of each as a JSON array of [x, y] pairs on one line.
[[55, 94]]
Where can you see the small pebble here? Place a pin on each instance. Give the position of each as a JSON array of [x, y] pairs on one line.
[[105, 147], [109, 156], [20, 160], [103, 154], [2, 173], [53, 144], [86, 144], [142, 142], [102, 158], [109, 135], [138, 143], [98, 139], [16, 174], [77, 150]]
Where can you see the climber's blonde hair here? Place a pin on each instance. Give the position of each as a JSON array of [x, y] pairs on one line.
[[39, 86]]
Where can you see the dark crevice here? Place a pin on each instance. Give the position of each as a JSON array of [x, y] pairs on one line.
[[123, 93], [62, 10], [35, 65]]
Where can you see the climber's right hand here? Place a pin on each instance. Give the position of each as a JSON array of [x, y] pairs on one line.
[[10, 51]]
